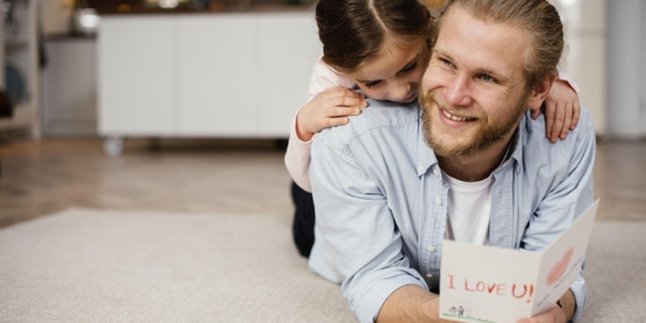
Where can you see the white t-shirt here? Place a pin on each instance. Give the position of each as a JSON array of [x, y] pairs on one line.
[[469, 210]]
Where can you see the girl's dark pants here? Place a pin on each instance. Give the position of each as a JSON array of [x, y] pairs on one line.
[[303, 225]]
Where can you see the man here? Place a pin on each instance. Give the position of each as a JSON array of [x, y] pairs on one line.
[[469, 165]]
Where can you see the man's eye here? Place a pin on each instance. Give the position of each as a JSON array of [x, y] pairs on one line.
[[446, 62], [486, 78]]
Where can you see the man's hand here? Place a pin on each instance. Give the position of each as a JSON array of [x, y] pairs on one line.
[[328, 109], [411, 303], [554, 315]]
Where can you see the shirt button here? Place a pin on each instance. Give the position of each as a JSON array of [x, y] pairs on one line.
[[438, 201], [431, 249], [429, 276], [436, 172], [420, 168]]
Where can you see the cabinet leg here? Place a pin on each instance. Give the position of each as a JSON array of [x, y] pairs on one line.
[[113, 145], [36, 133], [280, 144]]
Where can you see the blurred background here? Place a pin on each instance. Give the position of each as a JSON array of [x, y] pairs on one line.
[[185, 105]]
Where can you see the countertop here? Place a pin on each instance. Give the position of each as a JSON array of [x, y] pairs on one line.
[[252, 8]]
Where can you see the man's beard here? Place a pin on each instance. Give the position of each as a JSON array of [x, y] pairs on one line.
[[487, 133]]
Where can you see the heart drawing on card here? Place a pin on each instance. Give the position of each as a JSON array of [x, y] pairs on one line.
[[559, 267]]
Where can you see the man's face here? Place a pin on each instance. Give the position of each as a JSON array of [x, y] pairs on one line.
[[474, 90], [394, 74]]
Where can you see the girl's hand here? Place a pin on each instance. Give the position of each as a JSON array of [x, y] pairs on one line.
[[328, 109], [562, 111]]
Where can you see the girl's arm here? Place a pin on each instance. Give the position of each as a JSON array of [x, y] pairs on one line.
[[328, 109], [562, 109], [330, 102]]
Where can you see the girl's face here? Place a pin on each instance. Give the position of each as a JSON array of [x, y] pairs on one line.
[[395, 73]]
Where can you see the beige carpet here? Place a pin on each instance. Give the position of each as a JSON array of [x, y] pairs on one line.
[[85, 265]]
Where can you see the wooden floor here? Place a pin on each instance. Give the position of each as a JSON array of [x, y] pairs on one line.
[[217, 177]]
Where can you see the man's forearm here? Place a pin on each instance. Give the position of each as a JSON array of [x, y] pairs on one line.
[[410, 303]]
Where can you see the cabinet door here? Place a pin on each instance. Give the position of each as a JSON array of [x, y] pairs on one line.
[[69, 87], [288, 46], [137, 92], [216, 73]]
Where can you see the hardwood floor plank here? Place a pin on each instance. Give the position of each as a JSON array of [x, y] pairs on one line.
[[218, 177]]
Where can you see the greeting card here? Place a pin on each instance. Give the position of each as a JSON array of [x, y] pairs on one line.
[[491, 284]]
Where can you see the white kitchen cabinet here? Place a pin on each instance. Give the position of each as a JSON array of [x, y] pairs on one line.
[[137, 79], [288, 46], [216, 73], [204, 75]]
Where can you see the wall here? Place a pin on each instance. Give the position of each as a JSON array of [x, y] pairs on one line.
[[585, 56], [627, 83], [642, 100]]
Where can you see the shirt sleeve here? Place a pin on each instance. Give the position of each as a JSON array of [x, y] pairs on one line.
[[323, 77], [357, 240], [568, 197], [297, 156], [570, 81]]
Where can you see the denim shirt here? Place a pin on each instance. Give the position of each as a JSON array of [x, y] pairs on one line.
[[381, 208]]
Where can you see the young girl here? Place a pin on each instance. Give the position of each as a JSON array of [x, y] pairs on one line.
[[380, 47]]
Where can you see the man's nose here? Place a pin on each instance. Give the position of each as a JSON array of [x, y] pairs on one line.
[[458, 91]]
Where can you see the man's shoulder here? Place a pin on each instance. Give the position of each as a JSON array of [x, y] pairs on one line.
[[379, 116], [539, 150], [535, 130]]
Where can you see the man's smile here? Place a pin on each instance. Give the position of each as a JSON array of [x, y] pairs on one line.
[[455, 117]]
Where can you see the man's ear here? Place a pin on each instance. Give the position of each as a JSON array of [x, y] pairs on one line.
[[539, 92]]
